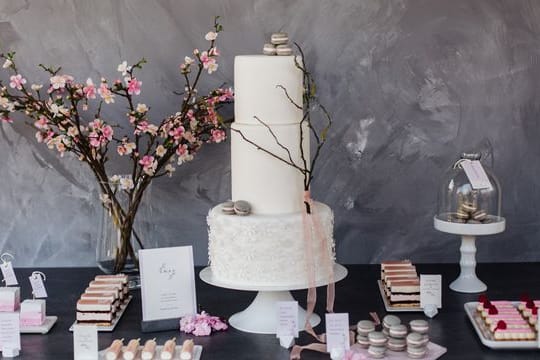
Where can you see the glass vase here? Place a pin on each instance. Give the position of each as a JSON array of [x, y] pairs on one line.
[[112, 235]]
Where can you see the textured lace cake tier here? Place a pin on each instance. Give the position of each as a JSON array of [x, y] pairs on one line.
[[267, 249]]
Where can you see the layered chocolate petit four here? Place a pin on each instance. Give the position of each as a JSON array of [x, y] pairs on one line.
[[401, 283]]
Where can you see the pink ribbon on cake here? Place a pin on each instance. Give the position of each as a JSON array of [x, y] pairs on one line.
[[314, 231]]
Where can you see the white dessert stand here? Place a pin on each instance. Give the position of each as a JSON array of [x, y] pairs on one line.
[[468, 282], [260, 316]]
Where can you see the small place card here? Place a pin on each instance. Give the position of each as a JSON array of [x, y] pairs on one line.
[[167, 283], [476, 174], [430, 290], [8, 273], [10, 334], [287, 319], [337, 331], [38, 286], [85, 342]]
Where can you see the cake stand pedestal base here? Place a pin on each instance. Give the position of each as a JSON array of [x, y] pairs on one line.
[[468, 282], [260, 316]]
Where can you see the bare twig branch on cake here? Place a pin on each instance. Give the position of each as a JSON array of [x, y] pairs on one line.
[[276, 139]]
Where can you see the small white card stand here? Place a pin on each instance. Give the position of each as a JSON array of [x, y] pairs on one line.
[[259, 317]]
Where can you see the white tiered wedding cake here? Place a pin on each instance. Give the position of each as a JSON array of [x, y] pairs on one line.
[[267, 247]]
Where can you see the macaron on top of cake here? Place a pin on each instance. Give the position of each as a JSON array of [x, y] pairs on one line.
[[242, 208], [419, 326], [364, 327], [390, 320], [228, 207]]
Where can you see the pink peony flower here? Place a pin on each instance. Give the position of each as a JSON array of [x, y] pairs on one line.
[[134, 86], [89, 90], [201, 324], [16, 81], [218, 136], [202, 329]]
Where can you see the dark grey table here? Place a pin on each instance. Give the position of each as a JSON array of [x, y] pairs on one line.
[[357, 294]]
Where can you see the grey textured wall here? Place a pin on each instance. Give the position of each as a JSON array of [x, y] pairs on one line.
[[410, 83]]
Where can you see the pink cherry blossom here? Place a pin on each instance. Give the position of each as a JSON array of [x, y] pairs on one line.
[[96, 124], [226, 94], [177, 133], [42, 123], [218, 135], [149, 164], [16, 81], [210, 36], [90, 89], [106, 93], [107, 132], [214, 52], [134, 86], [58, 82]]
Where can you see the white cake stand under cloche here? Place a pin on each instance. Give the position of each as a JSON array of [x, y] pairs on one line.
[[468, 282], [260, 316]]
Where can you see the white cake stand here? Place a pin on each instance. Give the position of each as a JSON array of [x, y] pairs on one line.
[[260, 316], [468, 282]]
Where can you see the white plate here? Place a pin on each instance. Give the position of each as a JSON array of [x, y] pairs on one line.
[[42, 329], [485, 335], [115, 320], [390, 308], [433, 351], [197, 351]]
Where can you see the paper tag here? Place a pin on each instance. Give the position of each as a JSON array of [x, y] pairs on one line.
[[10, 334], [431, 290], [287, 319], [8, 273], [476, 174], [85, 342], [38, 287], [337, 331], [167, 283]]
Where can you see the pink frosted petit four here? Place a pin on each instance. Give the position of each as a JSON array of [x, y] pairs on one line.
[[33, 312], [10, 299]]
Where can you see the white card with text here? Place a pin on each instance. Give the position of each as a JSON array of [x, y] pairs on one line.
[[10, 334], [85, 342], [38, 286], [8, 273], [430, 290], [167, 283], [476, 174], [337, 331], [287, 319]]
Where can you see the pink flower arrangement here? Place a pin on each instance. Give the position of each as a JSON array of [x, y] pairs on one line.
[[202, 324], [61, 115]]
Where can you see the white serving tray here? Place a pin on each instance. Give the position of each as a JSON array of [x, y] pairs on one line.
[[433, 352], [197, 351], [116, 319], [390, 308], [42, 329], [487, 338]]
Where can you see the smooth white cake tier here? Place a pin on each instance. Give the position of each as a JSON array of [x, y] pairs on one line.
[[267, 249], [256, 94], [268, 184]]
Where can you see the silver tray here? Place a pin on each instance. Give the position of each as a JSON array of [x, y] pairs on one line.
[[487, 338]]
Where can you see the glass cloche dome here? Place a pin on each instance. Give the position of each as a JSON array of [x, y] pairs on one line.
[[461, 203]]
